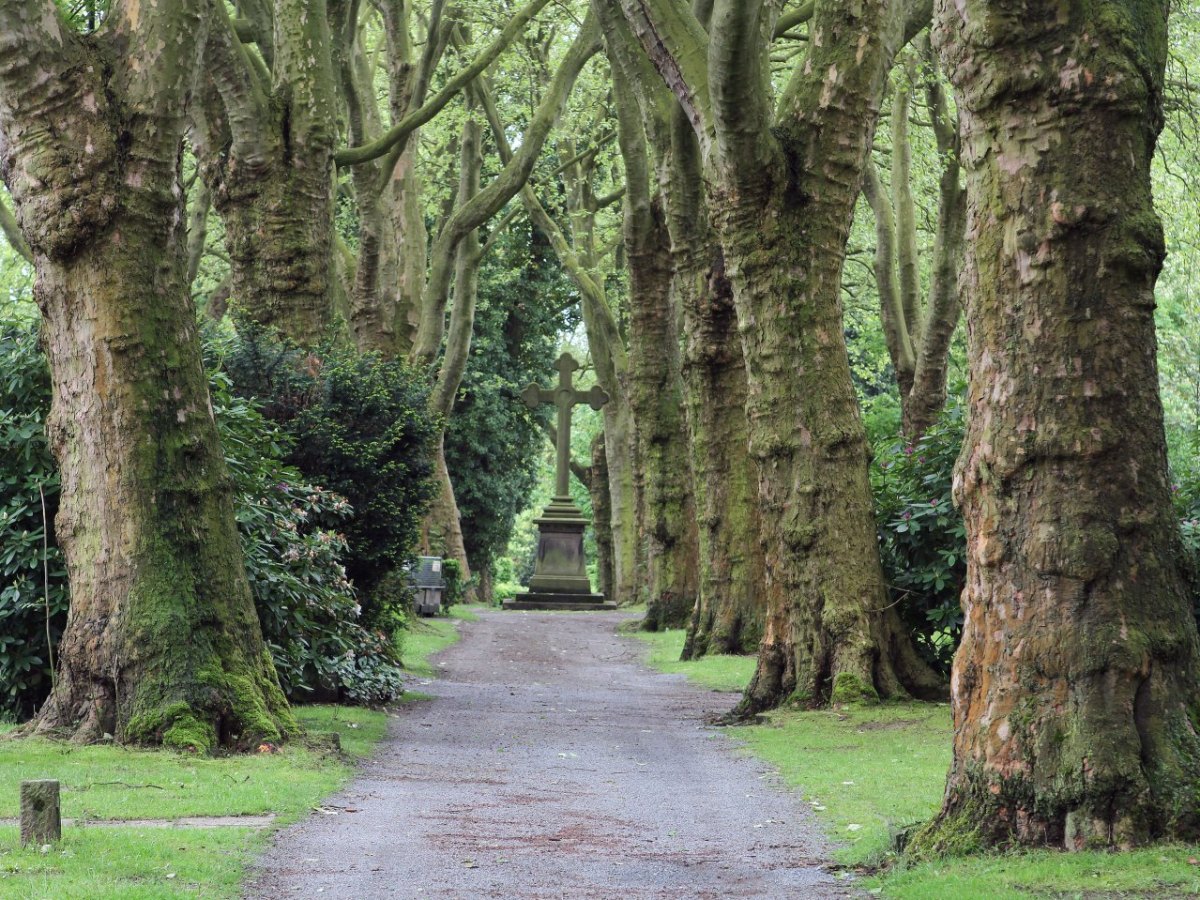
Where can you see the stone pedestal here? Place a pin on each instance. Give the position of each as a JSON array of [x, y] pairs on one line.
[[560, 578], [41, 820]]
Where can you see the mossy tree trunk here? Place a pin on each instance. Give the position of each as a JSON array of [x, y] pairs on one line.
[[390, 272], [162, 643], [1075, 686], [727, 614], [667, 523], [266, 152], [784, 179], [601, 516]]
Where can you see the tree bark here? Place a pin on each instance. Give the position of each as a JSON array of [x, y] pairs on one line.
[[783, 191], [1074, 687], [162, 643], [667, 523], [266, 153], [441, 533], [728, 617], [602, 516]]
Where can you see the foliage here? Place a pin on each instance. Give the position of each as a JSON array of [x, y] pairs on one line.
[[27, 474], [359, 425], [922, 538], [493, 444], [309, 611], [454, 585], [308, 608]]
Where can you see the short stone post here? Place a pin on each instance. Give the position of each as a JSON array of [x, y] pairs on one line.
[[41, 818]]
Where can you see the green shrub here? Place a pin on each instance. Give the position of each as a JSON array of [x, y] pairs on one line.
[[360, 426], [455, 586], [922, 538], [309, 610], [27, 474]]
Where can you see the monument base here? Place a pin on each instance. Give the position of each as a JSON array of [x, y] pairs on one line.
[[560, 579], [550, 601]]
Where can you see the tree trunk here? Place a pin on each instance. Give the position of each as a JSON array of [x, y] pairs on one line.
[[266, 153], [442, 533], [278, 232], [830, 635], [443, 516], [667, 511], [162, 643], [1075, 685], [622, 499], [729, 615], [602, 516]]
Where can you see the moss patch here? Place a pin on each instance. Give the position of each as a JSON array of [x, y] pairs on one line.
[[850, 688]]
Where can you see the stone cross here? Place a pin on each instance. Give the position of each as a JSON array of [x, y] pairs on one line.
[[564, 397]]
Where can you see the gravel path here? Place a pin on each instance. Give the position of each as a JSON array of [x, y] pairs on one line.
[[552, 764]]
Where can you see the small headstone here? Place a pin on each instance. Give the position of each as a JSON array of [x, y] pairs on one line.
[[41, 815]]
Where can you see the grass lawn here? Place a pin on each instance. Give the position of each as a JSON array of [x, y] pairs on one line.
[[718, 673], [425, 637], [107, 782], [114, 783], [869, 771], [124, 864]]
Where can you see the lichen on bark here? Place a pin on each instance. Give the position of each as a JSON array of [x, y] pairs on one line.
[[1074, 686], [162, 630]]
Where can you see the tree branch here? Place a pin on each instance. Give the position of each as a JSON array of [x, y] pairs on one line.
[[678, 45], [887, 282], [246, 106], [503, 188], [798, 16], [466, 281], [12, 232], [402, 129]]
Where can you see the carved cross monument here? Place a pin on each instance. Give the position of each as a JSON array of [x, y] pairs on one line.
[[560, 578]]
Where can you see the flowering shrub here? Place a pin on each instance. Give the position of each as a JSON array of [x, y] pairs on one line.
[[310, 613], [922, 539]]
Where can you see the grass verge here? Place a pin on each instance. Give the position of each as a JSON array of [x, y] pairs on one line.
[[113, 783], [426, 637], [717, 673], [869, 771]]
